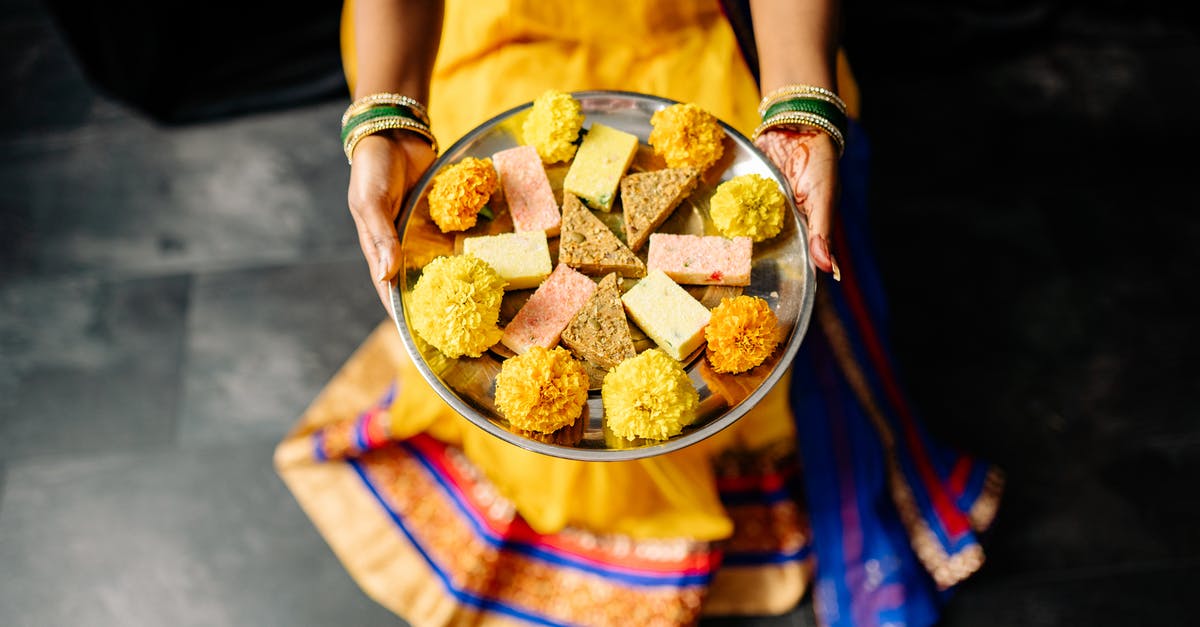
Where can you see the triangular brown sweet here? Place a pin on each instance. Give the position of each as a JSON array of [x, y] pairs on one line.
[[599, 332], [649, 198], [587, 245]]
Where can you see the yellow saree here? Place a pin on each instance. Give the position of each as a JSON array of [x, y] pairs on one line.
[[446, 524]]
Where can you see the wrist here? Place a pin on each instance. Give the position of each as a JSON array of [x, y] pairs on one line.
[[381, 112], [802, 105]]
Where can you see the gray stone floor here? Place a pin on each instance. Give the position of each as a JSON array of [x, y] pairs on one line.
[[171, 298]]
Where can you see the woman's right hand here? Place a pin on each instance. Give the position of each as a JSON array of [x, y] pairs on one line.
[[386, 165]]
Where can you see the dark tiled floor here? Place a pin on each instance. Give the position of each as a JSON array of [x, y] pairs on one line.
[[159, 327]]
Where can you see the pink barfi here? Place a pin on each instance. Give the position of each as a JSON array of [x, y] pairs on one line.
[[542, 319], [527, 190], [701, 259]]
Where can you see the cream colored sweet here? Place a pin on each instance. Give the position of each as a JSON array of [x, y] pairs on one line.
[[540, 322], [522, 259], [701, 259], [667, 314], [599, 164], [527, 190]]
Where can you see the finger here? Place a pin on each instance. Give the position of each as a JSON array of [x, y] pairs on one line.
[[379, 241], [374, 217], [819, 208], [381, 287], [812, 179]]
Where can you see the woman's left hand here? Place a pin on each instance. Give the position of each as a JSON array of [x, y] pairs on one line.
[[808, 159]]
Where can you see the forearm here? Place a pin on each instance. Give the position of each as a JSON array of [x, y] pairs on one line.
[[797, 42], [395, 43]]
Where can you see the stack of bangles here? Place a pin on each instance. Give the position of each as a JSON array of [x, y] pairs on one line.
[[381, 112], [804, 105]]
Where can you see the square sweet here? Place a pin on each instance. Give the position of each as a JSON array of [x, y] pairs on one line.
[[600, 162], [667, 313], [527, 190], [541, 320], [522, 259], [701, 259]]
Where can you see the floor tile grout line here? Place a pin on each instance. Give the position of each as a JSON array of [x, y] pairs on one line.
[[16, 147], [257, 440], [3, 485], [196, 270], [173, 434]]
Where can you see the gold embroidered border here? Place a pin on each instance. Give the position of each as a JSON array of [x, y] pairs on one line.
[[477, 567], [776, 528]]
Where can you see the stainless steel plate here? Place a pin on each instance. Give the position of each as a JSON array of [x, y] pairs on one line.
[[782, 273]]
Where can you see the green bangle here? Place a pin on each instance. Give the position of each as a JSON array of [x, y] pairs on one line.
[[376, 113], [385, 123], [385, 98], [814, 106]]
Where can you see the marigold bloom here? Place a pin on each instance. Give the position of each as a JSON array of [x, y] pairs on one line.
[[460, 191], [649, 396], [741, 334], [686, 135], [541, 390], [751, 205], [455, 305], [553, 125]]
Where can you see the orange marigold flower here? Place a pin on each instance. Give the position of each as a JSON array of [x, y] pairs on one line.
[[741, 334], [686, 135], [460, 191], [541, 390]]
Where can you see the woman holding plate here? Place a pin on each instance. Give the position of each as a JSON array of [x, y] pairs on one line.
[[446, 524]]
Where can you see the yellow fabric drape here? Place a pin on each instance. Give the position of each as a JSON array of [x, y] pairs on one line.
[[499, 54], [681, 50]]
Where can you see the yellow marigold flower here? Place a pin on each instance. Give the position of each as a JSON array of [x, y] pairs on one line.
[[751, 205], [460, 191], [455, 305], [649, 396], [553, 125], [741, 334], [541, 390], [686, 135]]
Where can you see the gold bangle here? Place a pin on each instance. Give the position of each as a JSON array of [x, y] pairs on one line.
[[383, 124], [793, 118], [385, 98], [806, 119], [807, 91]]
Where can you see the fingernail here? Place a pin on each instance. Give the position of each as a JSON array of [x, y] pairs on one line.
[[821, 246]]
